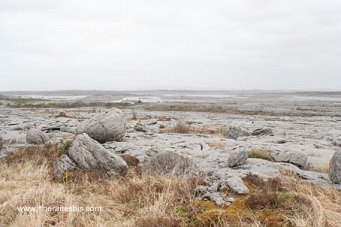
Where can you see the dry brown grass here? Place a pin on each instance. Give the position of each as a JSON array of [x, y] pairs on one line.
[[293, 202], [216, 144], [64, 115], [38, 155], [231, 108], [276, 202], [262, 154], [321, 168], [321, 204], [141, 200], [183, 128], [26, 180]]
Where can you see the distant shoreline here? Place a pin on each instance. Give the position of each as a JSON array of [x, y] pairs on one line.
[[174, 90]]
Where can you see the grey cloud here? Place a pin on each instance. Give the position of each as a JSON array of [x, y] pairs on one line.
[[254, 44]]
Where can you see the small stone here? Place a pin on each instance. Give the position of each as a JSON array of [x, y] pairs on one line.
[[237, 185], [281, 141], [235, 132], [140, 127], [263, 132]]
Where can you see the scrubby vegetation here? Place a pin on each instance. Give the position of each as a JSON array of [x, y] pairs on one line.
[[322, 168], [63, 114], [184, 128], [18, 99], [216, 144], [230, 108], [26, 179], [19, 102], [77, 104], [181, 127], [276, 202], [64, 146], [262, 154]]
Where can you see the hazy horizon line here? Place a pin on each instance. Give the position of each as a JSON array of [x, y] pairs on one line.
[[182, 90]]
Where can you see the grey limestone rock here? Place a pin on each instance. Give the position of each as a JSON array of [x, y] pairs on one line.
[[237, 158], [35, 136], [235, 132], [297, 159], [64, 164], [88, 154], [104, 127], [139, 127], [335, 168], [262, 132]]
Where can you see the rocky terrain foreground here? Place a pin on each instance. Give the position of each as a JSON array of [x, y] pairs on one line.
[[223, 147]]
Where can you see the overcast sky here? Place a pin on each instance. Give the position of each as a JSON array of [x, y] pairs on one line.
[[175, 44]]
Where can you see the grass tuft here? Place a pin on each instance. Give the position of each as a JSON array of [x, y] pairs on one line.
[[216, 144], [64, 146], [181, 127], [262, 154]]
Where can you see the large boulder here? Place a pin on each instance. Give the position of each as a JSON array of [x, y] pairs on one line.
[[335, 168], [35, 136], [104, 127], [87, 154], [237, 158], [170, 163]]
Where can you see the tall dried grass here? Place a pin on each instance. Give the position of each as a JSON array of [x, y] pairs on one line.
[[144, 200], [26, 180], [183, 128]]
